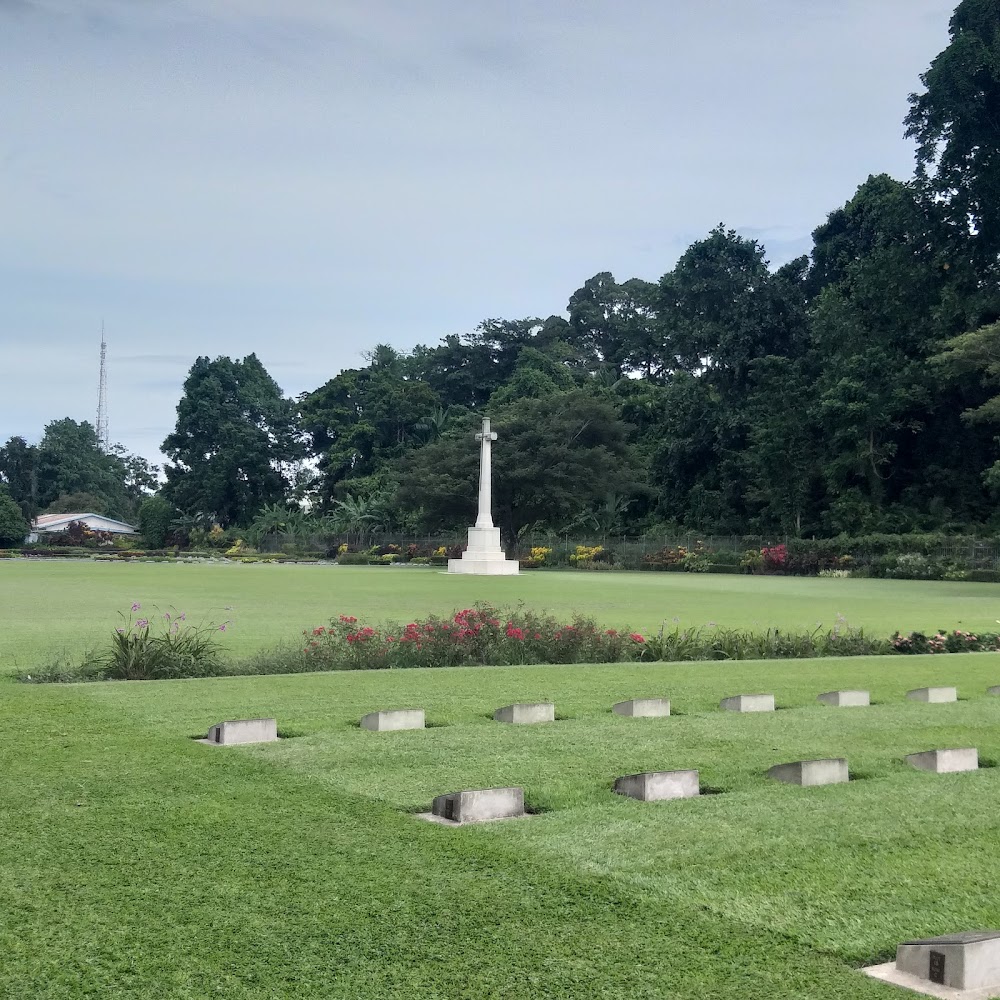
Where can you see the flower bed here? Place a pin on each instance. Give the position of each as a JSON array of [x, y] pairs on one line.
[[484, 635]]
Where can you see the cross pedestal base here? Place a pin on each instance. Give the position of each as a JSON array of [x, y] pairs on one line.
[[484, 557]]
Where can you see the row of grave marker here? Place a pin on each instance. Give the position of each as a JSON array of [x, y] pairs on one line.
[[965, 961], [526, 713], [481, 804]]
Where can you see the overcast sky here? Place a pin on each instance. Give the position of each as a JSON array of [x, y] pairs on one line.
[[307, 178]]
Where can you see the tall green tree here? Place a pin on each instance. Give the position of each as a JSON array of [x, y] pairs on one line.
[[13, 524], [19, 473], [556, 459], [236, 442], [70, 460], [614, 325], [956, 125], [882, 309], [363, 418], [976, 354]]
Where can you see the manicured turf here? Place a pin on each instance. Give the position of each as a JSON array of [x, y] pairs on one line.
[[68, 607], [137, 863]]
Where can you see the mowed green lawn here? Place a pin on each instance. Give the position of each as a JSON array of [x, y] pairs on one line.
[[50, 608], [137, 863]]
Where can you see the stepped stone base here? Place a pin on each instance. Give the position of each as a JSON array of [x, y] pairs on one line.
[[945, 761], [238, 731], [748, 703], [832, 771], [655, 786], [484, 556], [644, 708], [936, 695], [845, 699], [394, 719]]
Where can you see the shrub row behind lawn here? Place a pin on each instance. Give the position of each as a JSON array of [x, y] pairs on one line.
[[167, 647]]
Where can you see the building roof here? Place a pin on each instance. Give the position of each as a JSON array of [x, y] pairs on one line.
[[54, 522]]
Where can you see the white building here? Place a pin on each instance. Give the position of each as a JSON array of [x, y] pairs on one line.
[[50, 524]]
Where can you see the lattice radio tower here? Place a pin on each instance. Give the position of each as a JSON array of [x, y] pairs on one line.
[[102, 397]]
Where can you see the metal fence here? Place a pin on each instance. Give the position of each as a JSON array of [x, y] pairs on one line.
[[632, 551]]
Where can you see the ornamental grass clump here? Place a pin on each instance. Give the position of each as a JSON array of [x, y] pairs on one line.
[[710, 642], [161, 647], [481, 636]]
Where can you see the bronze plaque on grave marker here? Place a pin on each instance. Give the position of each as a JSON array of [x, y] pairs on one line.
[[935, 971]]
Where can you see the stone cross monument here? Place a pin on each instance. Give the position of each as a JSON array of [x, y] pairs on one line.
[[484, 556]]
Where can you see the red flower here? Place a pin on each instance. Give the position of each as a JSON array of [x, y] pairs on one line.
[[319, 631], [635, 637]]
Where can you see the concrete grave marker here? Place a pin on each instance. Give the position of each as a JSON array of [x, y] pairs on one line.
[[845, 699], [993, 690], [478, 805], [945, 761], [655, 786], [524, 713], [963, 966], [238, 731], [748, 703], [935, 695], [645, 708], [394, 719], [830, 771]]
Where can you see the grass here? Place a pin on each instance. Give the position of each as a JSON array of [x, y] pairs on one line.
[[137, 863], [68, 608]]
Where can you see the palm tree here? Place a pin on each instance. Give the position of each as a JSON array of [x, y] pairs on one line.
[[432, 426]]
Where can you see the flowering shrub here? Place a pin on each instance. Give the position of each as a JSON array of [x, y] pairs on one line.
[[164, 646], [480, 636], [587, 553], [696, 559], [77, 533], [536, 558], [956, 641], [774, 558]]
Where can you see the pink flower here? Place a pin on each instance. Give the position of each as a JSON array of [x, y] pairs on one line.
[[136, 606]]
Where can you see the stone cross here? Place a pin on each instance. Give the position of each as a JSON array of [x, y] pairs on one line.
[[486, 439]]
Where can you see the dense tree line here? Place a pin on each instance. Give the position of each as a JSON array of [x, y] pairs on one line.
[[856, 389]]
